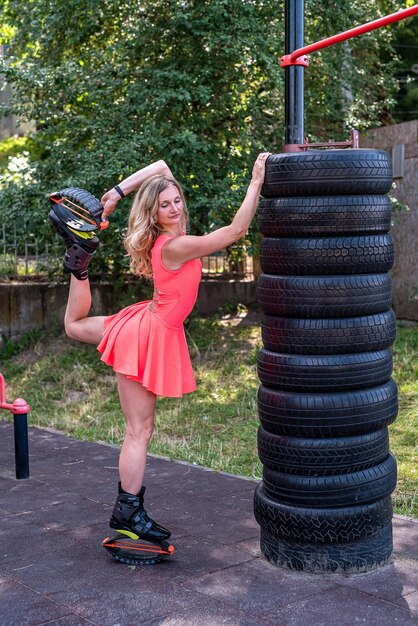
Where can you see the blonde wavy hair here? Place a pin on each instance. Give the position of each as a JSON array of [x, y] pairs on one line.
[[143, 227]]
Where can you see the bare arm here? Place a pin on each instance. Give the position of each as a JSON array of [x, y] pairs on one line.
[[181, 249], [133, 182]]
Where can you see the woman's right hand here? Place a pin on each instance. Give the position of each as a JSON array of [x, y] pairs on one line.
[[109, 202], [259, 168]]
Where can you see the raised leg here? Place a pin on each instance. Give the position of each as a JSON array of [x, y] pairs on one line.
[[138, 407], [77, 325]]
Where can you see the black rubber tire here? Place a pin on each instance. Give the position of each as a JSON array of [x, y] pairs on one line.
[[362, 487], [324, 215], [341, 558], [324, 296], [318, 373], [364, 254], [320, 526], [339, 414], [322, 457], [346, 335], [328, 172]]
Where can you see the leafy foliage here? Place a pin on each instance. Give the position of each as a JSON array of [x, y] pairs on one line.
[[113, 85], [349, 85], [405, 43]]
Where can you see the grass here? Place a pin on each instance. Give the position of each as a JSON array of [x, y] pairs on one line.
[[404, 431], [71, 390]]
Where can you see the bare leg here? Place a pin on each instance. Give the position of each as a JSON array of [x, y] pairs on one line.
[[138, 407], [77, 324]]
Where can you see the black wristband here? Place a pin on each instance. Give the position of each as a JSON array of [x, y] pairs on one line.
[[119, 190]]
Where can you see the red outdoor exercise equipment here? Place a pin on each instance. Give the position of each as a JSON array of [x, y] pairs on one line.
[[19, 409], [298, 57], [295, 60]]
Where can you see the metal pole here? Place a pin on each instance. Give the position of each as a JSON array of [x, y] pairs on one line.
[[21, 445], [294, 76]]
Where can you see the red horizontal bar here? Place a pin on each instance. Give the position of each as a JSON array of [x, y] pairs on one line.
[[354, 32]]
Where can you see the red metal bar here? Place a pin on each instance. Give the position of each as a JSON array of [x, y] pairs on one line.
[[291, 59]]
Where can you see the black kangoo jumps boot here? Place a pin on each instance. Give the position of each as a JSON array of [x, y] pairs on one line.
[[79, 252], [131, 519], [76, 214]]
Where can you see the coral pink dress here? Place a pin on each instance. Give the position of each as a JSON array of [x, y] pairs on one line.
[[146, 341]]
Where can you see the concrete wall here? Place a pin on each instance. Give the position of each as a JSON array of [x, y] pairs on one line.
[[30, 306], [405, 228]]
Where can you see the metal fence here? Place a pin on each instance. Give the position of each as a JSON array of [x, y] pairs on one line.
[[32, 259], [221, 266], [29, 258]]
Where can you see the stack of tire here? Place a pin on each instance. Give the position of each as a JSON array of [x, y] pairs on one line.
[[326, 396]]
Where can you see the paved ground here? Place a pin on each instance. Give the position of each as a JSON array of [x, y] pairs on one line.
[[53, 570]]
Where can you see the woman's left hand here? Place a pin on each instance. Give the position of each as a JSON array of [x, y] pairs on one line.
[[109, 202], [259, 168]]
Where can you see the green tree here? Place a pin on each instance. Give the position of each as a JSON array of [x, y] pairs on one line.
[[113, 85], [349, 85], [406, 45]]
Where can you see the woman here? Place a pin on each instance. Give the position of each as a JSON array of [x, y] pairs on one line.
[[145, 342]]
